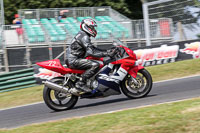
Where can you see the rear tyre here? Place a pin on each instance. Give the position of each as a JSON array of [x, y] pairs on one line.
[[134, 90], [59, 101]]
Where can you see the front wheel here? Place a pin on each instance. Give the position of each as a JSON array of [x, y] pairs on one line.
[[138, 87], [59, 101]]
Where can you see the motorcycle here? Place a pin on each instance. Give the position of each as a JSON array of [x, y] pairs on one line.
[[119, 74]]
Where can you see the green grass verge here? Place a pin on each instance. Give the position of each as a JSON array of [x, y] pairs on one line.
[[178, 117], [21, 97], [159, 72], [175, 70]]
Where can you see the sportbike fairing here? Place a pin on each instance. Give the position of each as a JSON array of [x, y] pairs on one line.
[[111, 81], [56, 66]]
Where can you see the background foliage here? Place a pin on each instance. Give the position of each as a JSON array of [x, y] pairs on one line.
[[130, 8]]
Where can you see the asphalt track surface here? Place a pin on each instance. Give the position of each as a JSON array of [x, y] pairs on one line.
[[165, 91]]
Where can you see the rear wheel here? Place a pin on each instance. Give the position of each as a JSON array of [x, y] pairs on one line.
[[138, 87], [59, 101]]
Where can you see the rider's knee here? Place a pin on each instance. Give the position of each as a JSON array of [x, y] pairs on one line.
[[95, 65]]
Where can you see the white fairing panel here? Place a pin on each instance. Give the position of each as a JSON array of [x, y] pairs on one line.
[[120, 74]]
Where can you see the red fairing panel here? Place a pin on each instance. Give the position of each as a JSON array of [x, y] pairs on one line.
[[130, 53], [94, 58], [126, 62], [133, 71], [56, 66], [128, 65]]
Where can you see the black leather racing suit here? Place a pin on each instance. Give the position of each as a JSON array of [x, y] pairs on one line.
[[80, 48]]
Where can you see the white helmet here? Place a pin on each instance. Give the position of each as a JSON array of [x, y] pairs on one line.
[[89, 25]]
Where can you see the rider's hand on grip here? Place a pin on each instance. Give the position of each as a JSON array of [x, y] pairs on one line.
[[112, 52]]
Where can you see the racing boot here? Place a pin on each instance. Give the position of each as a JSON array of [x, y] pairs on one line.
[[81, 86]]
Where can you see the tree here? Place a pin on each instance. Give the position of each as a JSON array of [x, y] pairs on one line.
[[135, 9]]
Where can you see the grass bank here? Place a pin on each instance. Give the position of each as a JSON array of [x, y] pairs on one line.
[[159, 72]]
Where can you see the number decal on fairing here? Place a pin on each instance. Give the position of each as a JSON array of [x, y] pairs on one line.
[[52, 63]]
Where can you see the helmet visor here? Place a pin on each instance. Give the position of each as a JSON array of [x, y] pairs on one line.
[[94, 28]]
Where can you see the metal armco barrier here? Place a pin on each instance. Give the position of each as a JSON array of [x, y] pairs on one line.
[[17, 80]]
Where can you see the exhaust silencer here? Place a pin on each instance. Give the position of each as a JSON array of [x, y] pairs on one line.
[[56, 87]]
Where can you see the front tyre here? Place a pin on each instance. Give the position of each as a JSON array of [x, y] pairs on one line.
[[59, 101], [141, 88]]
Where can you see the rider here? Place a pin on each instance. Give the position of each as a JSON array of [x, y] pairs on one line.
[[82, 47]]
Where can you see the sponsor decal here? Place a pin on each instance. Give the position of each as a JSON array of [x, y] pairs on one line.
[[107, 78], [46, 74], [193, 49], [122, 71], [154, 56]]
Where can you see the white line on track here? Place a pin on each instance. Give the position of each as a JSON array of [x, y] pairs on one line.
[[108, 112], [21, 106], [125, 109]]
